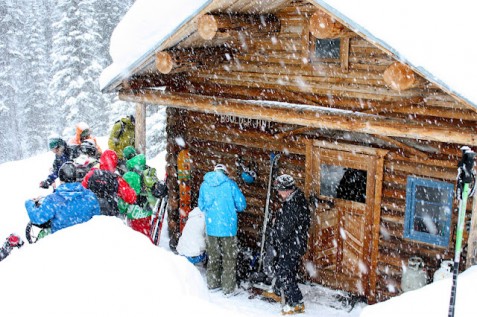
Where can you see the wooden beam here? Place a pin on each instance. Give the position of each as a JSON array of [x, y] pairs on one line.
[[304, 115], [399, 77], [324, 26], [212, 26], [472, 239], [403, 146], [140, 128], [175, 61], [301, 130]]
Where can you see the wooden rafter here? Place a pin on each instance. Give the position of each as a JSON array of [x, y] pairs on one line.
[[305, 116], [212, 26], [403, 146], [175, 61], [301, 130]]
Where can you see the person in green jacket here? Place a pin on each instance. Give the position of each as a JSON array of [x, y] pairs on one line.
[[138, 217], [122, 135]]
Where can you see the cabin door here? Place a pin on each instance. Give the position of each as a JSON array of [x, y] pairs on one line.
[[342, 191]]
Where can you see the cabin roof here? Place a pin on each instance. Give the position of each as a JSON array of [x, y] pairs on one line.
[[434, 38]]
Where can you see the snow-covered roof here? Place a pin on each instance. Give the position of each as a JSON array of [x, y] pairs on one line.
[[435, 37]]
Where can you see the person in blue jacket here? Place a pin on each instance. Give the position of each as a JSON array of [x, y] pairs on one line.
[[220, 199], [69, 205], [63, 154]]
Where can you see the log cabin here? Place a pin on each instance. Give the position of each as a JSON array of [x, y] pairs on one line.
[[373, 140]]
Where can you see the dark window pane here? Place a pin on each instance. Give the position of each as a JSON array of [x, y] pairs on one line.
[[431, 218], [343, 183], [327, 48], [433, 194]]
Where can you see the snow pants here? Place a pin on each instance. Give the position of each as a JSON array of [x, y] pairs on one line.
[[222, 263], [286, 278]]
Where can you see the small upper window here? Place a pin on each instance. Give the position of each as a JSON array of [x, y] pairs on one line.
[[428, 210], [327, 48]]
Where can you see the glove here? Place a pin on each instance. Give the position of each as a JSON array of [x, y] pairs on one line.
[[14, 241], [45, 184]]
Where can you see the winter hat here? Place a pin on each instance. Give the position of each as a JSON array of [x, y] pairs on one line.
[[284, 182], [67, 172], [222, 168], [129, 152], [55, 142]]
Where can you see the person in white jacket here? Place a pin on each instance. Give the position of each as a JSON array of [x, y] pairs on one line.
[[192, 241]]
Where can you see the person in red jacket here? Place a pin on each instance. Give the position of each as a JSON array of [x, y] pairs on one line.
[[108, 185]]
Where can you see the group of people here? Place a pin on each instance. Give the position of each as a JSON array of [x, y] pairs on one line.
[[220, 199], [101, 189]]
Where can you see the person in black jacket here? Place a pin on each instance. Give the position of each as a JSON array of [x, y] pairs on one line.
[[289, 237]]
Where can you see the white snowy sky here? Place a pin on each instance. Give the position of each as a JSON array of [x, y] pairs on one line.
[[103, 268], [436, 36]]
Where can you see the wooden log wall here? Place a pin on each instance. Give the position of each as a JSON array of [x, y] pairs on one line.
[[279, 68]]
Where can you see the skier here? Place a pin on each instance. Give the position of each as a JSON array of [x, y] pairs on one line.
[[288, 237], [13, 241], [192, 241], [220, 199], [138, 217], [122, 135], [83, 132], [107, 185], [70, 204], [86, 160], [63, 154]]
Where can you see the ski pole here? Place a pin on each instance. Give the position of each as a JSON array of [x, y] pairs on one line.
[[464, 179]]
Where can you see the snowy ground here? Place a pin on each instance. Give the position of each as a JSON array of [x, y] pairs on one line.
[[103, 268]]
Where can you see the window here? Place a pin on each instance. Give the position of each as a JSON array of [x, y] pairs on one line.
[[428, 210], [327, 48], [343, 183]]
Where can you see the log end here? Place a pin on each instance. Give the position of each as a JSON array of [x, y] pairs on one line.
[[164, 63], [399, 77], [323, 26], [207, 27]]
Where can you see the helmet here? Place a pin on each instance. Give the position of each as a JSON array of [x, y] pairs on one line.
[[67, 172], [55, 142], [284, 182], [87, 147], [222, 168], [129, 152]]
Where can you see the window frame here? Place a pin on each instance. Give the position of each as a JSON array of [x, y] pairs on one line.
[[409, 232]]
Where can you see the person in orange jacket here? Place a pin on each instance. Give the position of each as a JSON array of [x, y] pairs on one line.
[[83, 133], [108, 185]]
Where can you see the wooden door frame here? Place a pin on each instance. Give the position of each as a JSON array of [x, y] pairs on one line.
[[374, 218]]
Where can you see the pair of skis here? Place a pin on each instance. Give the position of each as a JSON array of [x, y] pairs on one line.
[[157, 219], [272, 173], [465, 177]]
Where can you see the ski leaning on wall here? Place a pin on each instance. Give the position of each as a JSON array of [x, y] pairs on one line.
[[184, 176], [465, 177], [158, 219], [272, 174]]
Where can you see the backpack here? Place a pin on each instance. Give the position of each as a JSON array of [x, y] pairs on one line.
[[105, 186]]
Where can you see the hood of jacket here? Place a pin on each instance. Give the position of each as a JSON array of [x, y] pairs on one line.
[[80, 127], [108, 161], [137, 164], [134, 180], [70, 191], [215, 179]]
